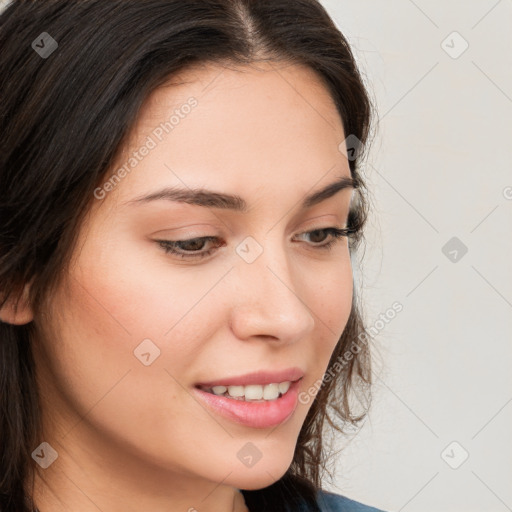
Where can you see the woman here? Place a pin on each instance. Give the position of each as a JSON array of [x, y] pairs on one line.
[[180, 199]]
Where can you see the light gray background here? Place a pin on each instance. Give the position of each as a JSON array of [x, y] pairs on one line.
[[439, 168]]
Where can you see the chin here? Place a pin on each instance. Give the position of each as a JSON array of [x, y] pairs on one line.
[[261, 475], [256, 481]]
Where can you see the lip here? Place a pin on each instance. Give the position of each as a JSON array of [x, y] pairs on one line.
[[259, 377], [253, 414]]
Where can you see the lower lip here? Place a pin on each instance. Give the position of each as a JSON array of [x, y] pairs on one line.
[[254, 414]]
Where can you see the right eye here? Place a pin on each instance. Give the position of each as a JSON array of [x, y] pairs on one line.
[[190, 248]]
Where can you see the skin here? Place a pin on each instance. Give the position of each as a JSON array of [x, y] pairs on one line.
[[131, 437]]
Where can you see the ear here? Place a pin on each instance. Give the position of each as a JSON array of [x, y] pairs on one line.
[[17, 312]]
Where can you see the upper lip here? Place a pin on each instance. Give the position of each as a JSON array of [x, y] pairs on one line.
[[258, 377]]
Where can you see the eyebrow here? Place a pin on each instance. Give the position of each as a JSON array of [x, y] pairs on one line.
[[212, 199]]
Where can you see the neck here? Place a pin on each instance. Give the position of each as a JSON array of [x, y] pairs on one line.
[[88, 480]]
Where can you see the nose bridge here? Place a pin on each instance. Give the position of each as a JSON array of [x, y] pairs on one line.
[[268, 301]]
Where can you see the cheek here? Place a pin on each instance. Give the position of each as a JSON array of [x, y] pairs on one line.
[[136, 287], [109, 309], [94, 375], [331, 303], [117, 297], [331, 296]]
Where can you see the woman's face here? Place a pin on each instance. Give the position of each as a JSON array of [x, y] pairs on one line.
[[133, 329]]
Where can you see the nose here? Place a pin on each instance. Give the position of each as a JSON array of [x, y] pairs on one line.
[[271, 298]]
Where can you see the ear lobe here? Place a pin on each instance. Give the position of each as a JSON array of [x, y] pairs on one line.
[[17, 312]]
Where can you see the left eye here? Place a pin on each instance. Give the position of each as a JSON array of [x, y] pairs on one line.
[[192, 248]]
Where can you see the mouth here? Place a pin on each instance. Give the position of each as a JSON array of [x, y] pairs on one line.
[[261, 399], [254, 387], [251, 392], [252, 405]]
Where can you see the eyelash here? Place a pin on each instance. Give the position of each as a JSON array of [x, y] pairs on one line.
[[169, 246]]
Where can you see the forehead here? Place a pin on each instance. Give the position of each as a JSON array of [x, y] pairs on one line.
[[219, 83], [236, 128]]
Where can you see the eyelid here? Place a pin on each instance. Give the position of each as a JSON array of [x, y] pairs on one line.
[[192, 227], [189, 236]]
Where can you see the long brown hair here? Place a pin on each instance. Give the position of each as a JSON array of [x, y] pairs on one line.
[[63, 118]]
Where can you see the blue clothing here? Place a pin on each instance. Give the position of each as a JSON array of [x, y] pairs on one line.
[[331, 502]]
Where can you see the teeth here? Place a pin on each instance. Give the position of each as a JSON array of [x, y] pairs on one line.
[[284, 387], [270, 392], [253, 391], [236, 391]]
